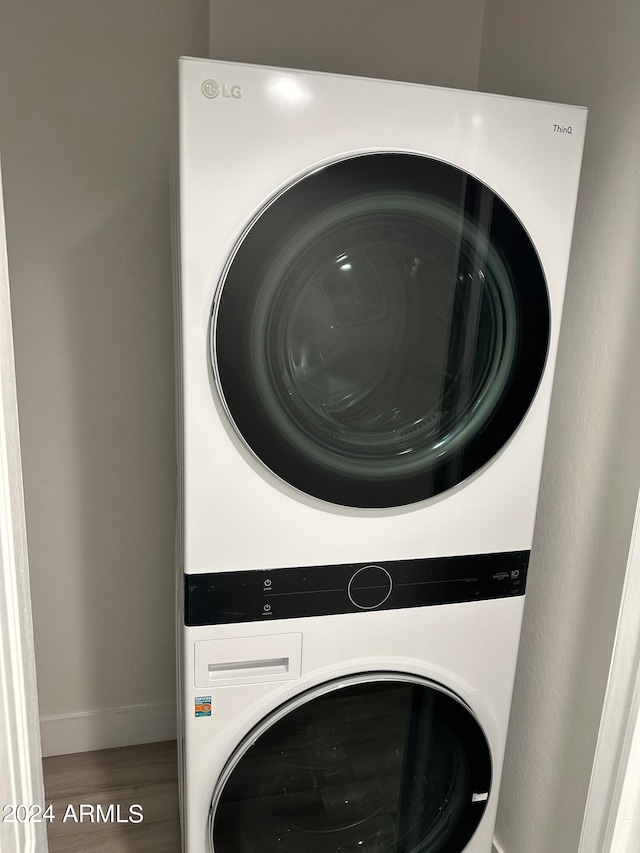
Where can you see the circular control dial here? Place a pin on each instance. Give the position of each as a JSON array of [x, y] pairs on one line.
[[370, 587]]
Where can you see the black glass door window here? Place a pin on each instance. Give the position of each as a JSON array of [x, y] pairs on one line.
[[387, 764], [381, 330]]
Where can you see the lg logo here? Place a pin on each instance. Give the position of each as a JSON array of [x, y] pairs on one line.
[[211, 89]]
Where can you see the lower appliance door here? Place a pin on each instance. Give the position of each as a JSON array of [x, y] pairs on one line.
[[376, 763]]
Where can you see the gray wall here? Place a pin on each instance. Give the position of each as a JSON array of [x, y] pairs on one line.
[[87, 121], [87, 115], [425, 41], [585, 52]]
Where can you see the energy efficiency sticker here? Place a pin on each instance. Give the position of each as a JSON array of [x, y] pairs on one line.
[[203, 706]]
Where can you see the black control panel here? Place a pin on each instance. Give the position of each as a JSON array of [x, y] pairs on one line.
[[220, 598]]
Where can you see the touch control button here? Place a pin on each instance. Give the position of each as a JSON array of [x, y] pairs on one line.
[[370, 587]]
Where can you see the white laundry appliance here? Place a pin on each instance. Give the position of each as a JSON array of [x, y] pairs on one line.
[[370, 283]]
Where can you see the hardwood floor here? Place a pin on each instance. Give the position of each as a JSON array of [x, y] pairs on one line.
[[145, 776]]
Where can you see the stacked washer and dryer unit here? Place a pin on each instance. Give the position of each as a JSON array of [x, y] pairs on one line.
[[371, 278]]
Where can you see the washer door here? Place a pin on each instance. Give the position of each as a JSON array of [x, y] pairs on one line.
[[381, 330], [382, 763]]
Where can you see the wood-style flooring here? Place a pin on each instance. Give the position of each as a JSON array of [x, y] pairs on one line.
[[144, 775]]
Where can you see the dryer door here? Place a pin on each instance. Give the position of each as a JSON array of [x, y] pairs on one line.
[[382, 763], [380, 330]]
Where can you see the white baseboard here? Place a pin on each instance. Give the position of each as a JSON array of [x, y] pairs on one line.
[[497, 848], [91, 730]]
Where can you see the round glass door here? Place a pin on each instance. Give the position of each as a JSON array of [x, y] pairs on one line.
[[381, 330], [385, 763]]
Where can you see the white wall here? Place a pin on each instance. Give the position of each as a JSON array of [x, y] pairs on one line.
[[87, 119], [585, 52]]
